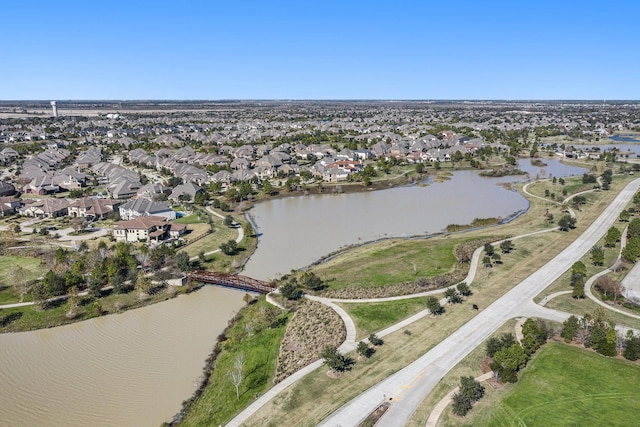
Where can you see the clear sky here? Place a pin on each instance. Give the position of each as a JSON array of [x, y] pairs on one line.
[[320, 49]]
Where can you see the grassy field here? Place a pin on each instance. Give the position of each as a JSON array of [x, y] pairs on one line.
[[390, 262], [258, 342], [565, 385], [31, 269], [312, 399], [470, 365], [370, 318]]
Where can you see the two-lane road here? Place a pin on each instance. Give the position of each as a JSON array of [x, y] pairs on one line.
[[408, 387]]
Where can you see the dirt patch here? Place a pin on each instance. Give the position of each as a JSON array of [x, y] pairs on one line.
[[313, 327]]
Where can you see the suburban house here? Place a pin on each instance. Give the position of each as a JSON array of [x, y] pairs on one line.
[[92, 209], [7, 189], [151, 229], [146, 207], [188, 191], [9, 206], [45, 208]]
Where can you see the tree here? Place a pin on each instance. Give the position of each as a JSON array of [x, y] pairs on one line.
[[290, 289], [632, 349], [508, 361], [624, 216], [182, 261], [570, 328], [471, 389], [143, 284], [609, 287], [494, 344], [506, 246], [229, 248], [335, 360], [489, 250], [78, 223], [237, 374], [452, 296], [464, 289], [267, 188], [631, 251], [532, 336], [434, 305], [597, 255], [18, 279], [460, 405], [312, 282], [228, 220], [374, 340], [612, 237], [364, 350], [566, 222]]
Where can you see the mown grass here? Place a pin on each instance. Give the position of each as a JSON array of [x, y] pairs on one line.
[[564, 385], [311, 400], [256, 336], [31, 270], [469, 366], [390, 262], [373, 317], [190, 219]]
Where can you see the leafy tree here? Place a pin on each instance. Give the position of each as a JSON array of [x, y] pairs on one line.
[[460, 405], [374, 340], [532, 336], [452, 296], [508, 361], [201, 198], [506, 246], [632, 349], [471, 389], [494, 344], [631, 251], [229, 248], [597, 255], [267, 188], [624, 216], [434, 305], [570, 328], [364, 350], [496, 258], [634, 227], [464, 289], [335, 360], [566, 222], [182, 261], [228, 220], [612, 237], [312, 282], [290, 289], [488, 248], [143, 284]]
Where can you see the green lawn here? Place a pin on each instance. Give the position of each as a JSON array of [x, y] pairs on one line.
[[569, 386], [191, 219], [31, 269], [373, 317], [390, 262], [259, 343]]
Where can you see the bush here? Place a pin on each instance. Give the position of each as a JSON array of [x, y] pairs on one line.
[[374, 340]]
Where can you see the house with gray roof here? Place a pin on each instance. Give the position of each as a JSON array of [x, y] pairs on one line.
[[145, 207]]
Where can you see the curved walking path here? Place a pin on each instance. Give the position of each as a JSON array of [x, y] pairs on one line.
[[238, 239], [432, 421], [412, 384], [529, 309]]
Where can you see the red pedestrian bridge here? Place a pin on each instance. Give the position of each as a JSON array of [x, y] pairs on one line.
[[235, 281]]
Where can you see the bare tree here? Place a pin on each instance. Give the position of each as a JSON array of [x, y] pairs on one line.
[[237, 375]]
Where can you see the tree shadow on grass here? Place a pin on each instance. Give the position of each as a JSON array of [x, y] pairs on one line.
[[10, 318]]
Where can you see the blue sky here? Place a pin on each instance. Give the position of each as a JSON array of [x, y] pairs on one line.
[[234, 49]]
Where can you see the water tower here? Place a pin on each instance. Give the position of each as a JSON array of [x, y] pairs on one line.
[[54, 108]]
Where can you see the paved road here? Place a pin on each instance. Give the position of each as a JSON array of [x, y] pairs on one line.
[[408, 387]]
